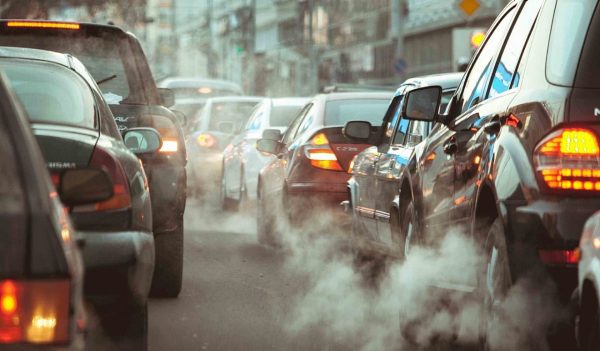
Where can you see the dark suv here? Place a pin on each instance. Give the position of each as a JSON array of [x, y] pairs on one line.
[[116, 60], [515, 160]]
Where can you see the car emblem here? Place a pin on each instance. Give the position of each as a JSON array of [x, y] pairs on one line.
[[597, 112], [121, 119]]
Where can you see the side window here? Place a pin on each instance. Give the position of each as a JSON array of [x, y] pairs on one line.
[[255, 121], [293, 128], [401, 131], [417, 131], [391, 119], [505, 71], [307, 121], [475, 86], [11, 194]]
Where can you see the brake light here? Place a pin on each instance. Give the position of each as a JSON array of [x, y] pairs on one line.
[[560, 256], [121, 198], [569, 159], [34, 311], [320, 154], [50, 25], [169, 145], [206, 140]]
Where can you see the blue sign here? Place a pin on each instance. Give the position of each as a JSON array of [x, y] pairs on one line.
[[400, 65]]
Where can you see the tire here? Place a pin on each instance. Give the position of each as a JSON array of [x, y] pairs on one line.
[[496, 271], [589, 325], [409, 230], [168, 264]]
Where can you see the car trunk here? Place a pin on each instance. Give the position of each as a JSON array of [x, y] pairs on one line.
[[343, 148], [65, 147]]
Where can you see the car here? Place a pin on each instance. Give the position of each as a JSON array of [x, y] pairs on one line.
[[514, 161], [191, 94], [588, 330], [117, 62], [374, 187], [41, 271], [309, 173], [75, 129], [241, 160], [217, 123]]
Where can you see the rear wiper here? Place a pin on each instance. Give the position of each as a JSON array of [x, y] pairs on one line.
[[106, 79]]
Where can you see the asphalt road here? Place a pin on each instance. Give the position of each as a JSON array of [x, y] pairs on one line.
[[237, 294]]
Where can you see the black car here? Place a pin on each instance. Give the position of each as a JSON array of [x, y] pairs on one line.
[[515, 161], [117, 62], [374, 188], [76, 129], [41, 270]]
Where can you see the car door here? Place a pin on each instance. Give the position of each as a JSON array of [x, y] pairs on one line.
[[408, 134], [481, 124], [365, 177]]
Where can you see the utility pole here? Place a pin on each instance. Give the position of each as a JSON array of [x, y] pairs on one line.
[[398, 20]]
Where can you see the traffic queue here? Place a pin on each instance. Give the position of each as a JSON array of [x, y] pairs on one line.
[[507, 151]]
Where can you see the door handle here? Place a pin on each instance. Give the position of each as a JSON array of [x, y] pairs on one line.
[[450, 147]]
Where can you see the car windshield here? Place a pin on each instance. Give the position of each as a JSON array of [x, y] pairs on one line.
[[50, 93], [236, 112], [338, 112], [282, 116], [105, 58]]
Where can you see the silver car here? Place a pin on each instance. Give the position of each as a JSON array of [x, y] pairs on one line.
[[241, 161], [589, 285]]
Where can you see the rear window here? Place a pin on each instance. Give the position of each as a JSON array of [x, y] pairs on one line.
[[588, 75], [282, 116], [569, 29], [50, 93], [338, 112], [237, 112], [106, 59]]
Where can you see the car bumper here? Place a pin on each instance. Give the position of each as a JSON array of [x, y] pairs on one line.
[[118, 264], [310, 197], [205, 170]]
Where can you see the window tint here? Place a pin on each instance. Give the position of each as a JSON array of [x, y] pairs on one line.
[[338, 112], [51, 93], [391, 116], [293, 128], [476, 84], [515, 45], [571, 19], [281, 116], [588, 75], [401, 132]]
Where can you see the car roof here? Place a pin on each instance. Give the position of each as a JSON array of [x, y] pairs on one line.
[[445, 80], [234, 99], [283, 101], [355, 95], [36, 54], [185, 82]]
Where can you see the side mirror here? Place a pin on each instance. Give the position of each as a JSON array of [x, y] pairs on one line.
[[181, 117], [84, 186], [142, 140], [226, 127], [269, 146], [167, 97], [422, 104], [357, 130], [272, 134]]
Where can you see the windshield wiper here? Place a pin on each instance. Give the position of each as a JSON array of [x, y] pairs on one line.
[[106, 79]]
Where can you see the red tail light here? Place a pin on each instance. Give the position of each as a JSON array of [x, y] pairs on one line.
[[320, 154], [206, 141], [551, 257], [169, 145], [34, 311], [569, 160], [121, 198]]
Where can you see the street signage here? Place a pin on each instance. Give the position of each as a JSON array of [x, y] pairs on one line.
[[469, 7]]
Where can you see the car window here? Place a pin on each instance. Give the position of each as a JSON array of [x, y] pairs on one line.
[[588, 75], [293, 128], [391, 119], [255, 121], [282, 115], [569, 28], [237, 112], [475, 86], [338, 112], [417, 131], [307, 121], [51, 93], [401, 132], [505, 71]]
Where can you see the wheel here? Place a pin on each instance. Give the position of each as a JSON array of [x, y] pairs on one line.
[[264, 223], [589, 324], [409, 230], [168, 264], [494, 282]]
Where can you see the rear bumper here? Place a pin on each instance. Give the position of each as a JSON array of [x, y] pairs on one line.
[[118, 264], [306, 198], [205, 170]]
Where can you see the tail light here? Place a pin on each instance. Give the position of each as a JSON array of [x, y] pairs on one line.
[[569, 160], [34, 311], [46, 25], [169, 145], [551, 257], [168, 133], [121, 198], [206, 140], [320, 154]]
